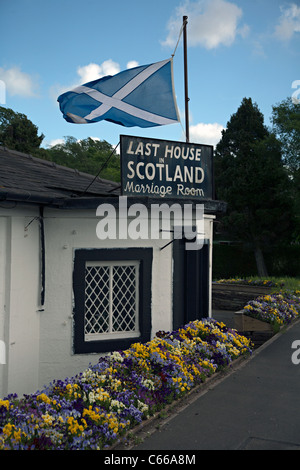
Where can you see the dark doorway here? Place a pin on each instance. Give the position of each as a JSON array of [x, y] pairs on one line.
[[190, 283]]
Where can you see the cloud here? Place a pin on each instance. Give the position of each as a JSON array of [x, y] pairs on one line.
[[92, 71], [59, 141], [211, 23], [209, 134], [289, 22], [54, 142], [88, 73], [18, 82], [131, 64]]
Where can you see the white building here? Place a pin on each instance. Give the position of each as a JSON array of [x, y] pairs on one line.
[[66, 296]]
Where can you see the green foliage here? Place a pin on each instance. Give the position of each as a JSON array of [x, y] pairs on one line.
[[17, 132], [251, 178], [88, 156], [231, 261], [286, 125], [244, 128]]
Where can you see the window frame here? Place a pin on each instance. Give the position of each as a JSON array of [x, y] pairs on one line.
[[112, 300], [144, 256]]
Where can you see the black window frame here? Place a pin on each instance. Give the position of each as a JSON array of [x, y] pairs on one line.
[[81, 256]]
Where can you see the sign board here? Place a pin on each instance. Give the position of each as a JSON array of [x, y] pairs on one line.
[[163, 168]]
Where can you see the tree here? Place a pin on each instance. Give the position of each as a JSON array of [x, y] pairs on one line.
[[286, 125], [87, 155], [250, 177], [17, 132]]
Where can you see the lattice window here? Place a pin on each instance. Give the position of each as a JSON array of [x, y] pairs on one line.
[[111, 299]]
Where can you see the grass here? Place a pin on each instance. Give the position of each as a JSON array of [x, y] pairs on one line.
[[289, 283], [285, 283]]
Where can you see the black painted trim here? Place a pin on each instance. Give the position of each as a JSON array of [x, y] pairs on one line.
[[145, 256]]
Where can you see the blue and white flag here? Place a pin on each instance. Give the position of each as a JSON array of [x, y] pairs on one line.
[[142, 96]]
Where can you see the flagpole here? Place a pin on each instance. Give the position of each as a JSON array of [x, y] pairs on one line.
[[187, 130]]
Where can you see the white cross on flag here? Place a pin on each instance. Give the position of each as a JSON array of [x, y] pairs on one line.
[[142, 96]]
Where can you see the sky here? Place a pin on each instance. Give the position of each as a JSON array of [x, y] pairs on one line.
[[236, 49]]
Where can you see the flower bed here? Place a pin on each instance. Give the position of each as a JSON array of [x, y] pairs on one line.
[[277, 309], [250, 282], [93, 409]]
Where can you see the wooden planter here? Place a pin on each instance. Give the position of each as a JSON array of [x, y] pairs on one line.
[[235, 296], [257, 331], [243, 323]]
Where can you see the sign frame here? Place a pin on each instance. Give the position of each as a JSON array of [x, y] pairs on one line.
[[166, 169]]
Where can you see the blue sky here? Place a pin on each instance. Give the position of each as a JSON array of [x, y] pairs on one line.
[[236, 49]]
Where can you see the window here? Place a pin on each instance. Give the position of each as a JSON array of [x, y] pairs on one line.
[[112, 298]]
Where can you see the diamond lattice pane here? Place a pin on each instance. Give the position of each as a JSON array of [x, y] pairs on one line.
[[124, 298], [96, 299]]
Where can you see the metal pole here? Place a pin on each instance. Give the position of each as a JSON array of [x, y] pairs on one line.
[[187, 130]]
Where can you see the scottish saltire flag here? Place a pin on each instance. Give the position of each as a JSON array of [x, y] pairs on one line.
[[142, 96]]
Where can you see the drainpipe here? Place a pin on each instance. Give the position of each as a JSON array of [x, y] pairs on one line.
[[42, 247]]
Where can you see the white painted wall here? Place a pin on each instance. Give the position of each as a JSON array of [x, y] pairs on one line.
[[39, 343], [65, 233], [19, 297], [3, 307]]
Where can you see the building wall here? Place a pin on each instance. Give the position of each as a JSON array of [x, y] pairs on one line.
[[3, 307], [39, 339], [19, 297], [64, 234]]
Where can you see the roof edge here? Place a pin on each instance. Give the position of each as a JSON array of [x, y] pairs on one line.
[[49, 163]]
